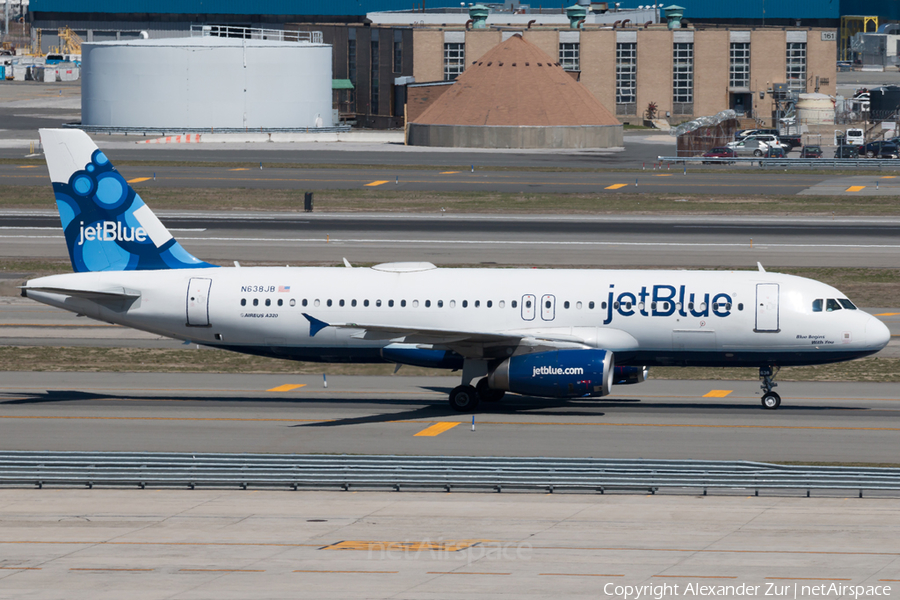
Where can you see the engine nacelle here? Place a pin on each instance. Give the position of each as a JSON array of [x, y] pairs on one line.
[[556, 374], [410, 354], [629, 375]]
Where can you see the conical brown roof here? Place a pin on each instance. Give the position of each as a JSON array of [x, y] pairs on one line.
[[516, 84]]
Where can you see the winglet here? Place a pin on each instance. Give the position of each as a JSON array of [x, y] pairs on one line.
[[315, 325], [759, 264]]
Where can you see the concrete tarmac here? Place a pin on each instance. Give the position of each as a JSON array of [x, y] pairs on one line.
[[183, 545], [525, 240], [708, 420]]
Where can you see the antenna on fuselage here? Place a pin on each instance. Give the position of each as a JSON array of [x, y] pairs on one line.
[[759, 264]]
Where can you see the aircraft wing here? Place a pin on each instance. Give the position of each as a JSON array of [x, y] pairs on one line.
[[468, 343]]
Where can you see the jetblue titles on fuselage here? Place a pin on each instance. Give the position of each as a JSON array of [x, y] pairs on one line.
[[664, 300]]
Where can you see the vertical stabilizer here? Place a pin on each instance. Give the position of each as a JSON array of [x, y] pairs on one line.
[[107, 225]]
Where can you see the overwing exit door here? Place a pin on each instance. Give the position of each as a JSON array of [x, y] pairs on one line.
[[198, 302]]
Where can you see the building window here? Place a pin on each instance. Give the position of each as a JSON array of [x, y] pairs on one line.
[[373, 106], [454, 60], [626, 78], [398, 51], [683, 78], [740, 65], [569, 56], [796, 66]]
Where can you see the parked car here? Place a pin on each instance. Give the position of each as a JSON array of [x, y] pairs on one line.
[[775, 152], [880, 149], [791, 141], [846, 152], [745, 133], [719, 153], [811, 152], [749, 147]]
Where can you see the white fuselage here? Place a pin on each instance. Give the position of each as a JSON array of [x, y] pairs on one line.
[[713, 318]]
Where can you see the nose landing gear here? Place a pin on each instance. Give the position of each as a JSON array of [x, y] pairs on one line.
[[770, 400]]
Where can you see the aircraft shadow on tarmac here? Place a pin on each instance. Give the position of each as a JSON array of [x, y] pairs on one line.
[[512, 405]]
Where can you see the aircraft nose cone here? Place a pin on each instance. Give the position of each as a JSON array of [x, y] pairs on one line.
[[877, 333]]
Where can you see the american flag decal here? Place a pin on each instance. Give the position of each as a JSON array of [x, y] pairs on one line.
[[284, 288]]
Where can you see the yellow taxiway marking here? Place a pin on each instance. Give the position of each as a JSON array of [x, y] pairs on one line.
[[448, 172], [581, 574], [287, 387], [437, 429], [100, 569], [889, 177], [464, 573], [616, 186], [30, 569], [446, 546], [29, 167], [700, 576], [886, 315], [222, 570], [314, 571], [138, 179], [717, 393], [664, 175], [374, 183], [240, 169], [856, 188]]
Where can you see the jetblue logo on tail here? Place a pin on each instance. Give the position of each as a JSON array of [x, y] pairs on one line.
[[110, 231]]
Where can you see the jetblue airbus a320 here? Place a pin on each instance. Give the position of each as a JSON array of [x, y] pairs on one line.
[[545, 333]]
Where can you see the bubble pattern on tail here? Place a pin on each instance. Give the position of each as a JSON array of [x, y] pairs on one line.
[[109, 228]]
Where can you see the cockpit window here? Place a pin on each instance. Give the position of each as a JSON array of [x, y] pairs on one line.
[[817, 305], [832, 304], [846, 304]]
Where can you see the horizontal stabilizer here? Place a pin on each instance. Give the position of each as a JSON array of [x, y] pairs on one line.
[[106, 293]]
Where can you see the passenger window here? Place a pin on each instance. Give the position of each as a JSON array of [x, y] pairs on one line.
[[514, 303], [391, 303], [547, 304], [465, 303], [293, 302], [403, 304], [527, 304], [378, 303], [453, 304], [256, 302], [365, 302], [477, 303], [341, 302], [831, 305], [691, 305], [740, 306], [316, 302], [591, 305], [440, 304], [353, 302], [304, 303], [489, 304], [616, 305], [628, 306], [578, 305], [603, 305], [428, 304], [847, 304], [565, 304], [243, 302], [280, 302], [653, 305], [328, 302]]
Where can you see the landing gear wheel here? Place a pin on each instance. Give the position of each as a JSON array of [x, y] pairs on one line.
[[486, 394], [771, 401], [464, 398]]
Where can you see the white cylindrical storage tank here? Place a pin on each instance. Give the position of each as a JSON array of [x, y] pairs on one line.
[[206, 82], [815, 109]]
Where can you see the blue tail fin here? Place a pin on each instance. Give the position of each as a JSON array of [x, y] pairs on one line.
[[107, 225]]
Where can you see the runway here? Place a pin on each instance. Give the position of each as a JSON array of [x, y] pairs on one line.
[[525, 240], [843, 422]]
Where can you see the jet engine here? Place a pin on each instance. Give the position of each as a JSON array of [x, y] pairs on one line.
[[629, 375], [556, 374]]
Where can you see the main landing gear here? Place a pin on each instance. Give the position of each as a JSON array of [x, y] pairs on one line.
[[770, 400], [466, 398]]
